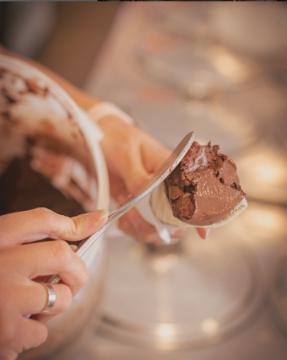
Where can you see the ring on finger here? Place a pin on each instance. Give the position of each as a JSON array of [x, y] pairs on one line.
[[51, 297]]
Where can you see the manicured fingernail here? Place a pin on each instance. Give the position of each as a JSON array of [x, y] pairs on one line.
[[207, 231], [87, 222], [104, 213], [74, 247], [203, 233]]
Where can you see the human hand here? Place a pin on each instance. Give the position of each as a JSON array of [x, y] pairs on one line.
[[22, 263], [133, 157]]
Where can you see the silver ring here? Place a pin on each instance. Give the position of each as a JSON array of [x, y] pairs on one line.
[[51, 297]]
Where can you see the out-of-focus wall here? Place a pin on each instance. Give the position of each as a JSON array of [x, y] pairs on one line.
[[66, 37]]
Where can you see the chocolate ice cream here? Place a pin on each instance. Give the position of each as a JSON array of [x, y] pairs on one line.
[[204, 188], [22, 188]]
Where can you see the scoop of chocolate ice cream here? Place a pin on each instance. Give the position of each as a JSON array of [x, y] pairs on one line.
[[204, 188]]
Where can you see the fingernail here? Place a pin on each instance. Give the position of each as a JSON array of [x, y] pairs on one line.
[[74, 247], [88, 221], [207, 231], [203, 232], [103, 214]]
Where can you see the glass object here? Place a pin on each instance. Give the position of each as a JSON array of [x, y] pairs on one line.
[[154, 108], [232, 26], [229, 25], [262, 104], [182, 18], [37, 114], [194, 70], [191, 293]]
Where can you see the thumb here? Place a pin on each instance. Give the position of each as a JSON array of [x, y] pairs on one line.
[[41, 223]]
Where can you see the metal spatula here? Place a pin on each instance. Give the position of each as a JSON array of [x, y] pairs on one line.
[[170, 164]]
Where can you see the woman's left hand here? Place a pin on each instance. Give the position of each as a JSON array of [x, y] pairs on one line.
[[132, 157]]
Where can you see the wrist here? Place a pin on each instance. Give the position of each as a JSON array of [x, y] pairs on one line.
[[107, 112]]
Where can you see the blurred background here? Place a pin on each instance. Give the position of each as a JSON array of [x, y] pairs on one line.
[[50, 32], [219, 69]]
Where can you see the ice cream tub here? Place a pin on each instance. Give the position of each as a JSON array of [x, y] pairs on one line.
[[39, 117]]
